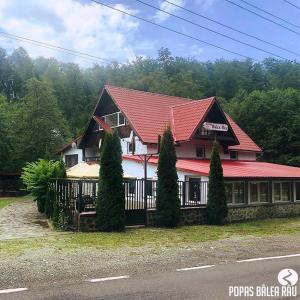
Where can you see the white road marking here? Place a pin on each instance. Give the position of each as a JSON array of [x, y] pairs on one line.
[[108, 278], [13, 290], [268, 258], [195, 268]]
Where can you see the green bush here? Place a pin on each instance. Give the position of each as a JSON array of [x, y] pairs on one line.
[[110, 204], [36, 177], [216, 204], [167, 203]]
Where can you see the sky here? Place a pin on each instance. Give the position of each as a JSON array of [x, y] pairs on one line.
[[85, 26]]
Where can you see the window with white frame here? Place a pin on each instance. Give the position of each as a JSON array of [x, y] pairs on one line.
[[281, 191], [297, 190], [258, 191], [235, 192]]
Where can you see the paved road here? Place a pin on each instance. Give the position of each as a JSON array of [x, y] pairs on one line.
[[207, 283]]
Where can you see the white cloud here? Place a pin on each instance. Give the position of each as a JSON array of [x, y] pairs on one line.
[[88, 28], [196, 50], [161, 16], [205, 4]]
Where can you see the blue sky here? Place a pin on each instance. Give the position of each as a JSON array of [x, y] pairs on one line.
[[87, 27]]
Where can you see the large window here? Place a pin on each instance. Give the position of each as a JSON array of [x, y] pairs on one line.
[[235, 192], [282, 191], [71, 160], [297, 191], [258, 192]]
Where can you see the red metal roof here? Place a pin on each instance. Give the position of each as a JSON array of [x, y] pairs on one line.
[[150, 113], [232, 169], [187, 117], [246, 143]]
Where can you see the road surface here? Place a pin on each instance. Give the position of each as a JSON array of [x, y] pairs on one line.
[[187, 282]]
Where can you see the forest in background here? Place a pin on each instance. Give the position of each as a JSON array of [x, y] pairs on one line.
[[45, 103]]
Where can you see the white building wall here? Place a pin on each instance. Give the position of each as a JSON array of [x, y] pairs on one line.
[[140, 148], [72, 151], [188, 150], [136, 169]]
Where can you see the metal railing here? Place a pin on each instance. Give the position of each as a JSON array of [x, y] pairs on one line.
[[80, 195]]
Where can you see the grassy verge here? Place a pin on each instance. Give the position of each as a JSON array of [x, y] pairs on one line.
[[9, 200], [153, 237]]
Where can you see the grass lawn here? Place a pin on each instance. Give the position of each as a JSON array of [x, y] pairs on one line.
[[153, 237], [9, 200]]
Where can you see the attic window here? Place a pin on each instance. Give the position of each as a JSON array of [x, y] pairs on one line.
[[233, 155], [200, 151]]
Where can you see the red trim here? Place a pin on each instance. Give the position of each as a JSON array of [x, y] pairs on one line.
[[105, 127]]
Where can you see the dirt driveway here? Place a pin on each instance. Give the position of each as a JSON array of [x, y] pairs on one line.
[[21, 219]]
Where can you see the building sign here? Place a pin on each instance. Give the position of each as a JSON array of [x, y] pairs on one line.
[[215, 126]]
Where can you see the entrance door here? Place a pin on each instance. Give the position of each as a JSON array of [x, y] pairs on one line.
[[194, 189]]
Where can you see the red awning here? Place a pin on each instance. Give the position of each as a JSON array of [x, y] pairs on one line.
[[232, 169]]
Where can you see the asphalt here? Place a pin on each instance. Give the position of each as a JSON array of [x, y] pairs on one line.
[[206, 283]]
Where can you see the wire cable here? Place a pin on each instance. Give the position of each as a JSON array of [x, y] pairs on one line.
[[291, 3], [211, 30], [270, 14], [231, 28], [172, 30], [51, 46], [265, 18]]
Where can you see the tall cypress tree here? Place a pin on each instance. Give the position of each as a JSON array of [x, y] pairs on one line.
[[111, 196], [167, 203], [216, 205]]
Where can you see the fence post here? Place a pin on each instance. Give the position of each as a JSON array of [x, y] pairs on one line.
[[183, 192], [80, 200]]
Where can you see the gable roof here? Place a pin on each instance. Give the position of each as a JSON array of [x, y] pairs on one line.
[[246, 143], [188, 116], [149, 114]]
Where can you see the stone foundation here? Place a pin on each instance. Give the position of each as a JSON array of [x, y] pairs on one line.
[[197, 215]]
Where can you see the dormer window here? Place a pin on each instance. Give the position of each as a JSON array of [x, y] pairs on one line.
[[200, 151], [233, 155]]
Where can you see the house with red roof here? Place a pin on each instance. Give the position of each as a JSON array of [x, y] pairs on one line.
[[141, 117]]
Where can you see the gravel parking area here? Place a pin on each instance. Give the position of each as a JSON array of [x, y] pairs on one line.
[[21, 220]]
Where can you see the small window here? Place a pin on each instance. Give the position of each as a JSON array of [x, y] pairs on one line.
[[121, 119], [258, 192], [228, 192], [253, 192], [233, 155], [285, 191], [297, 191], [71, 160], [200, 151], [238, 192], [130, 147], [235, 192], [263, 192], [282, 191]]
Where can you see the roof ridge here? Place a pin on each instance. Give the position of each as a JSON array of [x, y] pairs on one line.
[[194, 101], [158, 94]]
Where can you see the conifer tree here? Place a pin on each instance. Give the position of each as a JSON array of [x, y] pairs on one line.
[[216, 204], [110, 205], [167, 203]]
